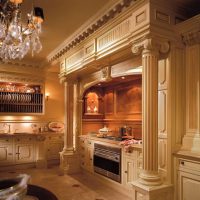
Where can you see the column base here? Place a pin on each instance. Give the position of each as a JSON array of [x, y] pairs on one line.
[[150, 179], [142, 192], [69, 162]]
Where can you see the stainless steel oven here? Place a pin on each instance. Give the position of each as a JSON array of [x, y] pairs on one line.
[[107, 161]]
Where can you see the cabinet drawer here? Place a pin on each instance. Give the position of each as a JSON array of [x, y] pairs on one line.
[[24, 139], [189, 166], [55, 137], [5, 139]]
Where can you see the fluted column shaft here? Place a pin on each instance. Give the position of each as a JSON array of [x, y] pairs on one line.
[[69, 112], [149, 175]]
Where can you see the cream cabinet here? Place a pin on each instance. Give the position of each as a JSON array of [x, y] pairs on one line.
[[128, 173], [86, 149], [6, 151], [188, 180], [24, 149], [16, 150], [24, 153], [131, 165], [54, 147]]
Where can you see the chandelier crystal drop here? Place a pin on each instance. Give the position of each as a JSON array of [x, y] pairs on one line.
[[16, 39]]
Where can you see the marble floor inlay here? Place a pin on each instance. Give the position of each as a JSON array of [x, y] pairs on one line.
[[69, 187]]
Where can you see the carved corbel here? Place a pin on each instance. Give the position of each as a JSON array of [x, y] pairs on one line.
[[106, 74], [151, 45]]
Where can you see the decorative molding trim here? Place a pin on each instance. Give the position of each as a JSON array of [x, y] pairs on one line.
[[106, 74], [11, 77], [90, 29], [150, 44], [114, 35], [191, 38]]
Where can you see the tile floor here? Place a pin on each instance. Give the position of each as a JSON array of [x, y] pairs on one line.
[[69, 187]]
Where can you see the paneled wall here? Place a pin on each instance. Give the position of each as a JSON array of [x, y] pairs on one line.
[[121, 107], [163, 71], [191, 139]]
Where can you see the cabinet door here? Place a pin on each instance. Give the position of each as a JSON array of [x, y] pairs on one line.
[[24, 153], [89, 159], [128, 171], [189, 186], [54, 148], [6, 154]]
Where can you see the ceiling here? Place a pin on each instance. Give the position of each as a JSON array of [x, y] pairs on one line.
[[63, 17]]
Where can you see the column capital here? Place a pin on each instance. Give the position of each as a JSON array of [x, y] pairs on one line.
[[150, 44]]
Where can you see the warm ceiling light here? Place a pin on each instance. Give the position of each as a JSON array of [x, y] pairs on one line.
[[16, 1], [16, 39]]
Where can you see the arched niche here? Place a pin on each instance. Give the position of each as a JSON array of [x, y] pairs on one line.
[[93, 103]]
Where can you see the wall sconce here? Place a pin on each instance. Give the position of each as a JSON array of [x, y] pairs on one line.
[[47, 96]]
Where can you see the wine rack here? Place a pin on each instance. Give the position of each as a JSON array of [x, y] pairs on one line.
[[17, 102]]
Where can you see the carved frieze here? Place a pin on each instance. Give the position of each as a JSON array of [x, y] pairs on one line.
[[112, 36], [191, 38], [116, 10]]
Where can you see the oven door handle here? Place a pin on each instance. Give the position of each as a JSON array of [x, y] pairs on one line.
[[113, 158]]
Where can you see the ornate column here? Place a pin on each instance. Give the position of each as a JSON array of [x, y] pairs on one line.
[[149, 186], [149, 175], [68, 157]]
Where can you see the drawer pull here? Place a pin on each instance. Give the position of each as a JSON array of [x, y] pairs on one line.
[[17, 153], [10, 154], [126, 172], [182, 163]]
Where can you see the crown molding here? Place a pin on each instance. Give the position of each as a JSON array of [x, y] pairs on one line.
[[110, 11]]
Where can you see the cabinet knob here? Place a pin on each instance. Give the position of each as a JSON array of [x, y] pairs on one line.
[[182, 163], [126, 171]]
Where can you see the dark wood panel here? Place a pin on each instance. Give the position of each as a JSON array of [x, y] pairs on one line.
[[109, 102], [129, 99]]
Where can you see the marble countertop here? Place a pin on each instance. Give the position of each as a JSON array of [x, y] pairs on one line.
[[95, 138], [30, 134]]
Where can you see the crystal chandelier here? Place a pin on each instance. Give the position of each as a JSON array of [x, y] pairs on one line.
[[16, 38]]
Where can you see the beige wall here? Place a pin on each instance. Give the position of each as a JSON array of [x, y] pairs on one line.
[[54, 109]]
